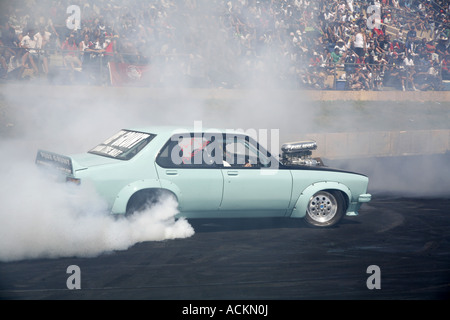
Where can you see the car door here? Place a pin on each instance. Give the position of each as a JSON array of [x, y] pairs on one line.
[[183, 167], [250, 188]]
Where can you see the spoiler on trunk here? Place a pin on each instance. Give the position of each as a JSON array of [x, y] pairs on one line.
[[55, 161]]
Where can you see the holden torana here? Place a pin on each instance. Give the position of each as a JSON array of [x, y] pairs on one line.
[[213, 174]]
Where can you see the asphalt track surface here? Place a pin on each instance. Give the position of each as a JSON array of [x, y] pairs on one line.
[[264, 259]]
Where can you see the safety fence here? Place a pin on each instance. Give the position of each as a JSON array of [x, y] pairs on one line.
[[388, 76], [98, 67]]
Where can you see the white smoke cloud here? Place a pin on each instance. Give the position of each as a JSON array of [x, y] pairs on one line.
[[41, 218], [422, 176]]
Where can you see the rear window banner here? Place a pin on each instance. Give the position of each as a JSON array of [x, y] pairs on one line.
[[121, 143]]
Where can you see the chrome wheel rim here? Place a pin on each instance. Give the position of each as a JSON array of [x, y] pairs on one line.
[[322, 207]]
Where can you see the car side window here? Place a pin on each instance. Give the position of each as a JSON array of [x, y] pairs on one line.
[[212, 151], [187, 151], [163, 158], [241, 152]]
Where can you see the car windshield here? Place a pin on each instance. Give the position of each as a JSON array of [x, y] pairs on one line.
[[124, 145]]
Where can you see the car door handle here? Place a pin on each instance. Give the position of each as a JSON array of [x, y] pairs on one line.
[[232, 173], [171, 172]]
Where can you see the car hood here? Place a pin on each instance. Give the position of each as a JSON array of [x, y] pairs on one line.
[[317, 168]]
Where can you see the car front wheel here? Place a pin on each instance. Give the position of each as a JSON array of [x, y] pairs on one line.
[[325, 209]]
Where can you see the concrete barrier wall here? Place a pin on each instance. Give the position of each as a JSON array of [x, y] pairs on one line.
[[419, 96], [330, 145], [333, 95], [232, 94], [381, 144]]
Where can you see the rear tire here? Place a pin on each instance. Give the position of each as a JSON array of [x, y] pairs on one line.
[[143, 200], [325, 209]]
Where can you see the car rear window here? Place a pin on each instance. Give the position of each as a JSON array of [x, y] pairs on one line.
[[124, 145]]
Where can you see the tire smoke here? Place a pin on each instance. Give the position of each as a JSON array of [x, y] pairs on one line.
[[42, 218]]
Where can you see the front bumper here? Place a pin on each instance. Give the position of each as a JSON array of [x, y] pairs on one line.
[[366, 197], [353, 207]]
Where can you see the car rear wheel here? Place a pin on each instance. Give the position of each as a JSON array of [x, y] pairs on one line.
[[142, 200], [325, 209]]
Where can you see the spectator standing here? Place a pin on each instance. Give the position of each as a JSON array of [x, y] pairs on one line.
[[408, 77], [42, 43], [29, 44], [8, 47], [10, 39], [86, 47], [441, 48], [360, 42], [97, 63], [445, 67], [411, 37], [110, 48], [325, 61], [70, 53]]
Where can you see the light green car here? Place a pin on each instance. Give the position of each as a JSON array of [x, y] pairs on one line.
[[213, 174]]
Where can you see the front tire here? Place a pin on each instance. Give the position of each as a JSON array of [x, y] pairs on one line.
[[325, 209]]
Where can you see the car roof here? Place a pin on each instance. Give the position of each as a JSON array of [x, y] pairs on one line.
[[170, 130]]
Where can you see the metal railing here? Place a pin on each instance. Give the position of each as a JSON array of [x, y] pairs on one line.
[[366, 76], [62, 64]]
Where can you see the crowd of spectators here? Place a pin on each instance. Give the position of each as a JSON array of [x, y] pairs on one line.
[[320, 44]]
